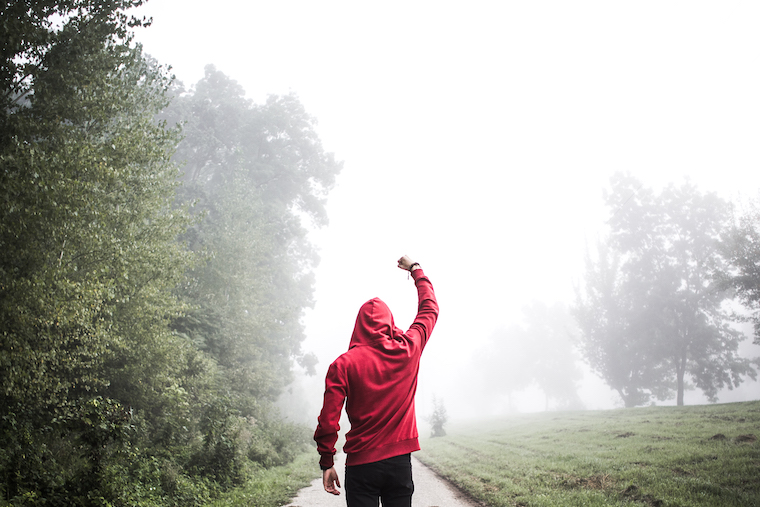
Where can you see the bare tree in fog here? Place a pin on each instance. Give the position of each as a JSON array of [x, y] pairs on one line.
[[539, 353], [502, 366], [650, 311], [552, 353]]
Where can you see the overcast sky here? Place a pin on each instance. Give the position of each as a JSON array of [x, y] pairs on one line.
[[477, 137]]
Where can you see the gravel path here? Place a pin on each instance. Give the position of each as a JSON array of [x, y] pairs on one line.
[[429, 490]]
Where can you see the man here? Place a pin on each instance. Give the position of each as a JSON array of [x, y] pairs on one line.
[[377, 378]]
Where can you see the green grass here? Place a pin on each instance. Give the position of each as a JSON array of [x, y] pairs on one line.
[[275, 486], [658, 456]]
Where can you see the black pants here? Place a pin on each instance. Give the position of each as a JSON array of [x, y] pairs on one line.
[[389, 480]]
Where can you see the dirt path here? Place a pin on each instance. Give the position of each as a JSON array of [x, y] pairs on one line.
[[429, 490]]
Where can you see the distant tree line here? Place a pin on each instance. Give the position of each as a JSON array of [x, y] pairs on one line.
[[152, 277]]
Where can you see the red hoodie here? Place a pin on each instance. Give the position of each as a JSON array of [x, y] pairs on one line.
[[377, 377]]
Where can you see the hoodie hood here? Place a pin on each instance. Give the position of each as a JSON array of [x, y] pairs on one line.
[[374, 325]]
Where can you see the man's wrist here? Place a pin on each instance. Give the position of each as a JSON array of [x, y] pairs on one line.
[[414, 266]]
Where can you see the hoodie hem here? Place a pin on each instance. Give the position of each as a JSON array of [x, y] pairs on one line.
[[381, 453]]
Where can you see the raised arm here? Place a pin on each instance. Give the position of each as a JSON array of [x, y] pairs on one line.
[[427, 306]]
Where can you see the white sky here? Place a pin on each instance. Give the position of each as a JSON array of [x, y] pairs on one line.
[[477, 137]]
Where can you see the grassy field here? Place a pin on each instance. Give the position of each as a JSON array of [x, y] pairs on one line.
[[658, 456]]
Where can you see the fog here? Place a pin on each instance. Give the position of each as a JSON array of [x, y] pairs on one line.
[[478, 140]]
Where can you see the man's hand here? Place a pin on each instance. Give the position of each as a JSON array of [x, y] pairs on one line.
[[330, 480], [406, 263]]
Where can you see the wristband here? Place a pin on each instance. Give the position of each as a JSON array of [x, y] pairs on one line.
[[415, 264]]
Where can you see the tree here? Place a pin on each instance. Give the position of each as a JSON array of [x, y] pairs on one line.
[[88, 230], [256, 172], [126, 358], [612, 342], [657, 318], [537, 352], [549, 331], [438, 418], [503, 367], [742, 249]]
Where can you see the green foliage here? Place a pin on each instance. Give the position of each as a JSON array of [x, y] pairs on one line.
[[255, 172], [665, 456], [272, 487], [652, 315], [89, 233], [275, 443], [133, 370], [89, 230], [33, 30]]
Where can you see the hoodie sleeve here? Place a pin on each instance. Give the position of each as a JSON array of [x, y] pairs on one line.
[[427, 308], [328, 423]]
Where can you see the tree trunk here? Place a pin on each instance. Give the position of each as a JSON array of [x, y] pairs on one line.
[[680, 371], [628, 401], [679, 397]]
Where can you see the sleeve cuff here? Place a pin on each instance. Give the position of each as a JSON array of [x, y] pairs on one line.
[[326, 462]]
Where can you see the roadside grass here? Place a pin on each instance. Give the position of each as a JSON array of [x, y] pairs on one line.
[[657, 456], [272, 487]]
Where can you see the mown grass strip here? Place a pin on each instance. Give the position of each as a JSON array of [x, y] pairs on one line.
[[656, 456]]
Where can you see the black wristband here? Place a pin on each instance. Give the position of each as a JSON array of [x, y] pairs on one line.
[[323, 468], [415, 264]]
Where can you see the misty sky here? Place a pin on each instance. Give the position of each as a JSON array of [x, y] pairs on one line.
[[477, 138]]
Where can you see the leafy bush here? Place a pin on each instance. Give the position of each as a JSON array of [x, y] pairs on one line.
[[276, 443]]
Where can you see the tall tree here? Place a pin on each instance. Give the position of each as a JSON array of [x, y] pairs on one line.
[[613, 342], [88, 231], [257, 171], [107, 378], [665, 320]]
